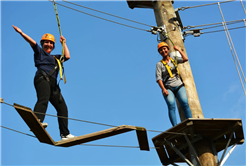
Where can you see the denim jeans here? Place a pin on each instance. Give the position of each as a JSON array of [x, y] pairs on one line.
[[183, 101]]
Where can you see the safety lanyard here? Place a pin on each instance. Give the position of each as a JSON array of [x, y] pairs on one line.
[[60, 69]]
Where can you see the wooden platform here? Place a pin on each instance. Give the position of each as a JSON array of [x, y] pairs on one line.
[[218, 131], [43, 136]]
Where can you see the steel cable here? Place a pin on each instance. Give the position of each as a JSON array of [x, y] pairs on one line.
[[107, 13], [100, 17]]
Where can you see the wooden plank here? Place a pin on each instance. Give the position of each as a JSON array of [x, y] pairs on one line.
[[34, 124], [142, 138], [95, 136], [42, 135]]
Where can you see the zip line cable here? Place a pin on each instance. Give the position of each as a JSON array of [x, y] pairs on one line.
[[231, 44], [189, 7], [243, 7], [107, 13], [100, 17], [117, 146]]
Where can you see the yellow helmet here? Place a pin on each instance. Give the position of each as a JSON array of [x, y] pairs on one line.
[[162, 44], [48, 36]]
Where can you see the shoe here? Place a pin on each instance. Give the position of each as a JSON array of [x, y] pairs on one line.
[[44, 125], [69, 136]]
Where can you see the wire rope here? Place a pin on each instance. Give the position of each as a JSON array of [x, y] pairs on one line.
[[107, 13], [189, 7], [103, 124], [224, 30], [228, 22], [243, 7], [231, 44], [118, 146], [101, 17]]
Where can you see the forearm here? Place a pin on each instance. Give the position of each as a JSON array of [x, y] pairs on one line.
[[161, 85], [184, 56], [66, 51], [28, 39]]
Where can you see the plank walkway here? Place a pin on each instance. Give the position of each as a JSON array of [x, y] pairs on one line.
[[43, 136]]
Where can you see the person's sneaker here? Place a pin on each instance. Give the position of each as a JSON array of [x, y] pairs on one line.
[[67, 137], [44, 125]]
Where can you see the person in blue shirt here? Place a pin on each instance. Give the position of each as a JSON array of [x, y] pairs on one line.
[[45, 80]]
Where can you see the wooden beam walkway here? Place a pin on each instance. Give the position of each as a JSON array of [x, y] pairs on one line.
[[43, 136]]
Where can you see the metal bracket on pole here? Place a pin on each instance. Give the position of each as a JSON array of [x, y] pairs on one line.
[[162, 32], [228, 154], [1, 100], [194, 32], [178, 152], [215, 152], [194, 156], [226, 147]]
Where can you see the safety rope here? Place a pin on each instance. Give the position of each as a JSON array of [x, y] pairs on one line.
[[62, 56], [243, 6], [117, 146], [176, 59], [232, 46], [103, 124], [101, 17], [107, 13], [189, 7], [203, 25]]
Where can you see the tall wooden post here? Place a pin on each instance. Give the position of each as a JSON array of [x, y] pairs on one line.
[[165, 15]]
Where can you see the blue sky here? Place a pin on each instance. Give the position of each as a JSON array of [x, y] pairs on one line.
[[111, 78]]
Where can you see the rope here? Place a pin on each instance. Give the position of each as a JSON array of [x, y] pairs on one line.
[[103, 124], [101, 17], [183, 8], [18, 131], [228, 22], [231, 44], [59, 27], [243, 7], [80, 144], [107, 13], [62, 56]]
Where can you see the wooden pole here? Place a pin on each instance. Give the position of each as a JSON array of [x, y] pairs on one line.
[[165, 14]]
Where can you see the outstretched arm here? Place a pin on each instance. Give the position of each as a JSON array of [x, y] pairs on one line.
[[66, 50], [185, 58], [25, 36]]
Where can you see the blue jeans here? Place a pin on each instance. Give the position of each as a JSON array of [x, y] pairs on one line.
[[183, 101]]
